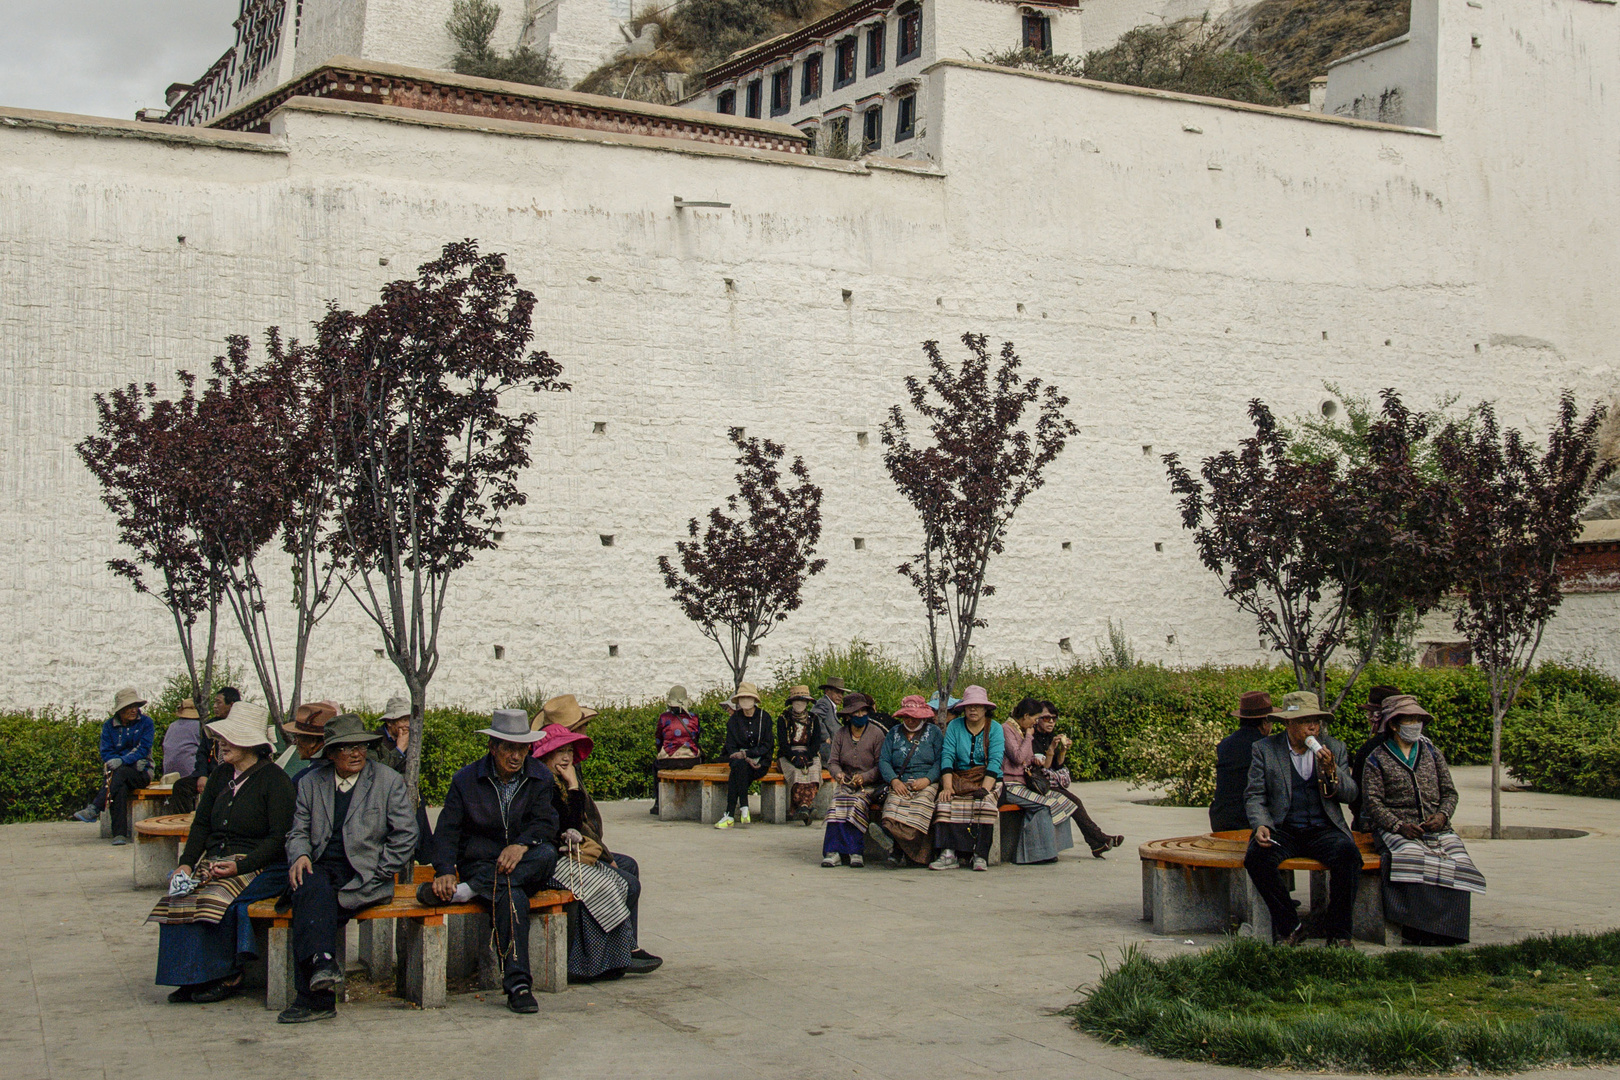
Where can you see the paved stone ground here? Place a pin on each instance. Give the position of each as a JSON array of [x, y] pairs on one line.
[[775, 967]]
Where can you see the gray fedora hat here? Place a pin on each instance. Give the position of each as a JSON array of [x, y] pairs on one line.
[[348, 729], [511, 725]]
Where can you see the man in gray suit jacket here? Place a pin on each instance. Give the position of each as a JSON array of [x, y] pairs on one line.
[[353, 831], [1292, 801]]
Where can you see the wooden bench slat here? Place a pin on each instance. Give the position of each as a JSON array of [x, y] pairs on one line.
[[1225, 850], [165, 825], [405, 906]]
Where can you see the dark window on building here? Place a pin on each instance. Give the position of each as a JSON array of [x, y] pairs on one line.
[[836, 131], [909, 45], [781, 91], [1038, 33], [810, 81], [844, 63], [726, 102], [754, 91], [871, 129], [874, 48], [905, 118]]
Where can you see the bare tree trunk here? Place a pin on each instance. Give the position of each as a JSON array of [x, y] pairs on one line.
[[1496, 759]]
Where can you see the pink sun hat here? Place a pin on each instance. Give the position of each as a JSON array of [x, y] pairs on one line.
[[973, 695], [555, 737]]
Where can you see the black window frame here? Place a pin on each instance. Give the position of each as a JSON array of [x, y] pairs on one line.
[[910, 21], [782, 90], [872, 129], [876, 42], [755, 101], [834, 126], [850, 47], [905, 117], [1042, 37], [726, 102], [812, 73]]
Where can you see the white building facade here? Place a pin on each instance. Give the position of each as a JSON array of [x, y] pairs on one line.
[[857, 77]]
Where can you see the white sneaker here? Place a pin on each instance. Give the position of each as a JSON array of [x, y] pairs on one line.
[[980, 864], [725, 822], [946, 860], [857, 861], [829, 860], [743, 818]]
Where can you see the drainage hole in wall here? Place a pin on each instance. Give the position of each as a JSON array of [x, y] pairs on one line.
[[378, 653], [1147, 449], [1217, 223], [1065, 645], [848, 296], [599, 428], [860, 543], [497, 536], [753, 650], [1020, 309], [613, 650], [607, 539], [1158, 545], [861, 438], [500, 652], [1068, 546]]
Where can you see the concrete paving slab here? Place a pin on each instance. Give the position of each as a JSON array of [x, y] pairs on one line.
[[773, 965]]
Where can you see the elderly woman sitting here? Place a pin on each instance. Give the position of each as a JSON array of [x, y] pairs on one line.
[[854, 768], [602, 933], [910, 765], [1407, 799], [353, 829], [234, 855], [1045, 830], [968, 809]]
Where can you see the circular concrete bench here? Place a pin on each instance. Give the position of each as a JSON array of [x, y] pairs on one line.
[[157, 848], [1193, 884], [143, 803]]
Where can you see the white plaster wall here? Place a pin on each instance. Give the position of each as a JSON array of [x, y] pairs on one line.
[[1393, 82], [1481, 257], [329, 28]]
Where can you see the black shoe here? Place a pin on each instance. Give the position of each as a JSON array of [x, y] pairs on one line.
[[325, 976], [427, 897], [643, 962], [805, 814], [181, 995], [522, 1000], [1297, 935], [302, 1014], [654, 810], [218, 991]]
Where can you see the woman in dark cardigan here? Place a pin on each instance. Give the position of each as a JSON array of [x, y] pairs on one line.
[[236, 853]]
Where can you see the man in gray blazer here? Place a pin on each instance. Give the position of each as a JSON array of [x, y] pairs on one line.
[[1292, 801], [353, 831]]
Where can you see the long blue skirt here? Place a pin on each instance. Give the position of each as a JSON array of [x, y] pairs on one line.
[[193, 953]]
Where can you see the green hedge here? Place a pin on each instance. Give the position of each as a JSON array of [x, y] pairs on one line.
[[48, 761]]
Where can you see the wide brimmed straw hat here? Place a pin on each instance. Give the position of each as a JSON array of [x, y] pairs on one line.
[[1301, 705], [398, 708], [799, 693], [310, 720], [1398, 706], [246, 725], [678, 698], [915, 707], [1254, 705], [555, 737], [125, 698], [563, 710], [510, 725], [746, 689], [854, 703], [348, 730], [973, 695], [187, 711]]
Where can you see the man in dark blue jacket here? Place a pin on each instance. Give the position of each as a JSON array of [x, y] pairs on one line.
[[1232, 757], [498, 830], [126, 762]]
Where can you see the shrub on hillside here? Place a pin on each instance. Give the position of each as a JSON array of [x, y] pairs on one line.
[[1569, 745]]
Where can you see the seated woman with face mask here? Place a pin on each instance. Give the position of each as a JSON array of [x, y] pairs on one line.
[[854, 768], [1407, 799]]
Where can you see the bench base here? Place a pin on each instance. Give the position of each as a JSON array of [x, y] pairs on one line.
[[1194, 899], [155, 859]]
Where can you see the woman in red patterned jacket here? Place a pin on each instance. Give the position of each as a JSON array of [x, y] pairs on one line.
[[676, 738]]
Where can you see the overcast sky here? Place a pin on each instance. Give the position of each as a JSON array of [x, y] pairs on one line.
[[107, 57]]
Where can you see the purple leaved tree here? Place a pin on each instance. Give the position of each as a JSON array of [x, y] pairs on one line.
[[152, 460], [424, 457], [746, 573], [1517, 513], [981, 460]]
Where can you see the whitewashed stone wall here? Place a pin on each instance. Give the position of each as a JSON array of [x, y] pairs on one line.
[[1478, 262]]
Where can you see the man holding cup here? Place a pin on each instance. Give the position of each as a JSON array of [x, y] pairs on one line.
[[1295, 789]]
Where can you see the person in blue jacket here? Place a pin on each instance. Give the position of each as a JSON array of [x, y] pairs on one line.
[[126, 762]]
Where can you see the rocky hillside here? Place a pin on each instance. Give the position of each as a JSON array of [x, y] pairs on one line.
[[1296, 40]]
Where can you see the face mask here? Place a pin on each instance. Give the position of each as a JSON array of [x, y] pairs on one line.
[[1411, 732], [858, 721]]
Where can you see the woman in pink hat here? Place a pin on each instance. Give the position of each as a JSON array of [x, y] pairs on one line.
[[602, 942], [968, 809], [910, 764]]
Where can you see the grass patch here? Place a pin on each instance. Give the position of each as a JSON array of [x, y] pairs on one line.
[[1497, 1008]]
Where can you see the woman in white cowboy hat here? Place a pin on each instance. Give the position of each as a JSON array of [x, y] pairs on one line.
[[126, 762], [235, 854], [968, 809], [750, 746], [602, 941]]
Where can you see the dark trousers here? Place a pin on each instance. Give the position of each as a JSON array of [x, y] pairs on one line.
[[508, 896], [965, 840], [667, 764], [114, 796], [424, 837], [742, 778], [630, 870], [317, 920], [1328, 846]]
